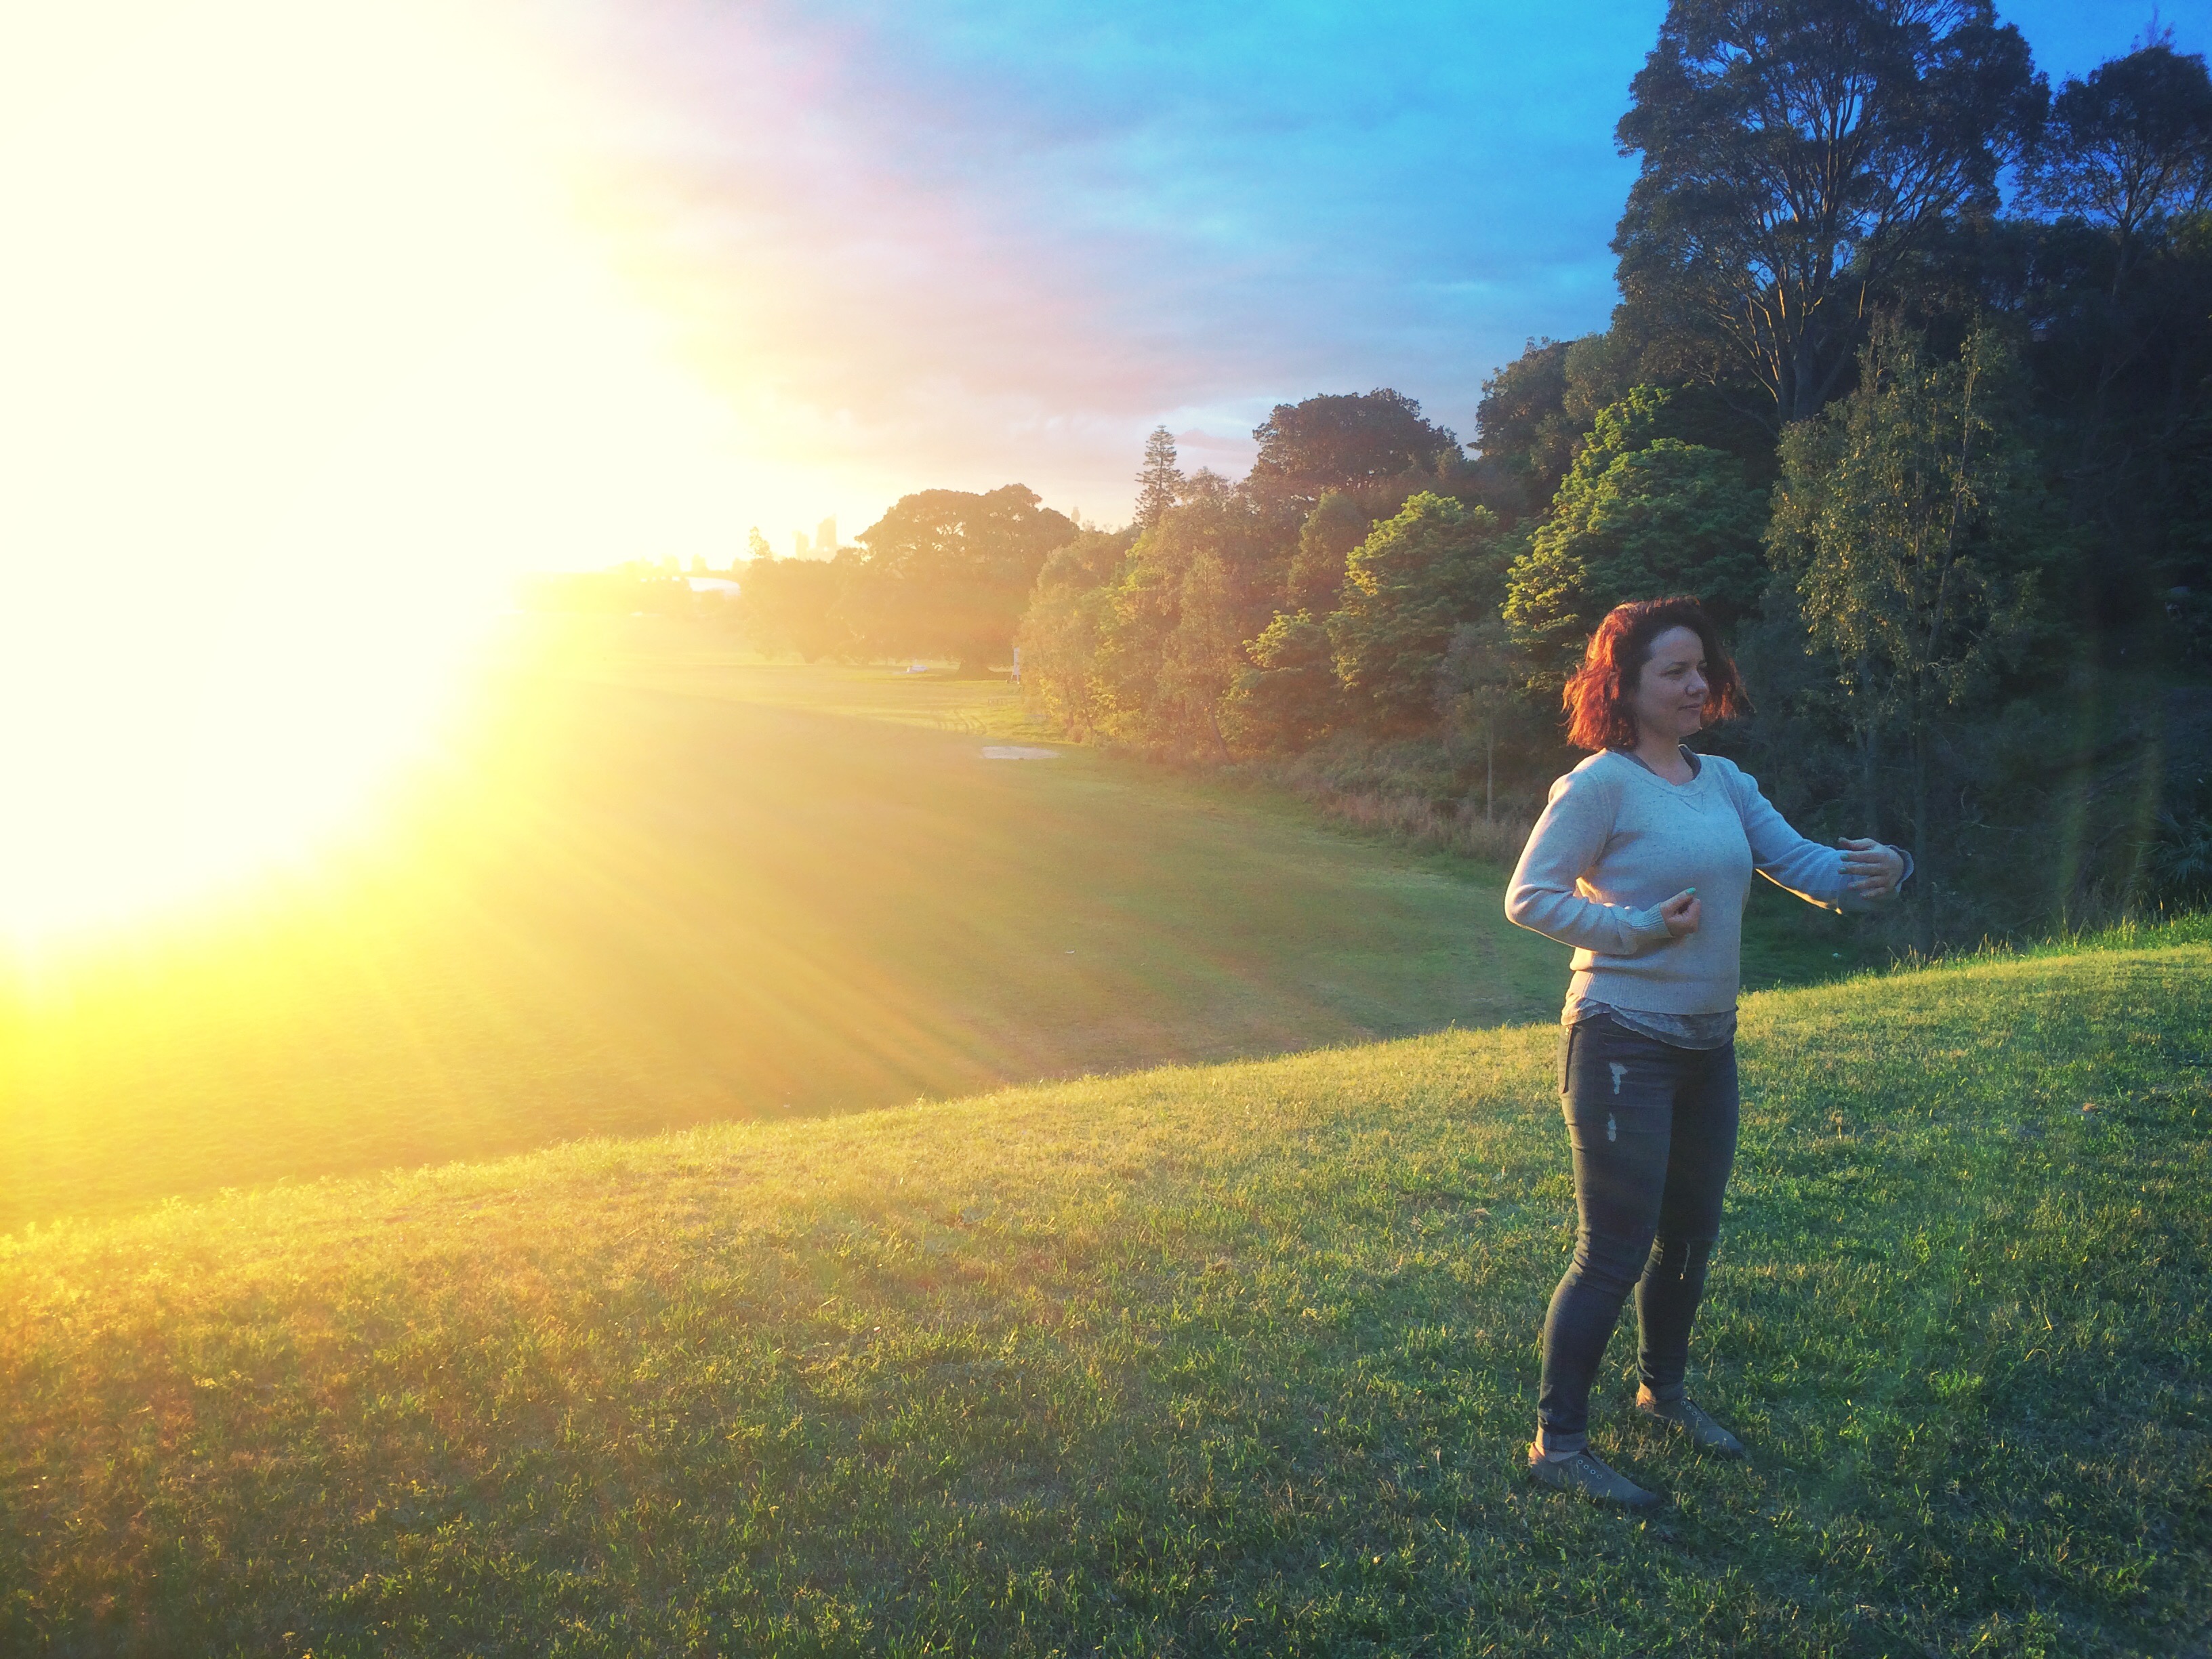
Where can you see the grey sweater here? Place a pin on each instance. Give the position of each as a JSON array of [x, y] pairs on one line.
[[1616, 840]]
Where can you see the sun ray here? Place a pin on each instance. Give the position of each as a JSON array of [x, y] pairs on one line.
[[311, 343]]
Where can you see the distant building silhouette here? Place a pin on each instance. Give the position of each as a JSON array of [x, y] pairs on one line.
[[824, 544]]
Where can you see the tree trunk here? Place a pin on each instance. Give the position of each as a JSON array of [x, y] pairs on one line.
[[1214, 725], [1870, 757], [1490, 770], [1923, 927], [1870, 779]]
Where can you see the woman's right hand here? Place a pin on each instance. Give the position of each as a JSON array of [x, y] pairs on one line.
[[1680, 913]]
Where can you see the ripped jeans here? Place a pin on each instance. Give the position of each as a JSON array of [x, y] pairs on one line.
[[1653, 1128]]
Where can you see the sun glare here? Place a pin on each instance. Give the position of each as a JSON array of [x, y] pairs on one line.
[[309, 344]]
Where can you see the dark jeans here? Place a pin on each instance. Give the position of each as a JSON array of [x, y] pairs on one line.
[[1653, 1128]]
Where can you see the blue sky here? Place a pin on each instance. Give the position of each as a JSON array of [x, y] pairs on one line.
[[1003, 241], [577, 280]]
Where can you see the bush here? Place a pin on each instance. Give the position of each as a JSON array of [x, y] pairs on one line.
[[1287, 698], [1414, 579]]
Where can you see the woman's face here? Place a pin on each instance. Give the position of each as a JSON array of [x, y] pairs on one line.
[[1669, 703]]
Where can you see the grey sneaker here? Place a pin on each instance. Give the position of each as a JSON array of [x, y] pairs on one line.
[[1705, 1434], [1585, 1473]]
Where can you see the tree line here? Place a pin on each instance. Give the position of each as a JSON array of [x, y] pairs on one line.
[[1911, 382]]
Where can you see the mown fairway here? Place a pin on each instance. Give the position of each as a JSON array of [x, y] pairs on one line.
[[666, 887], [1200, 1360]]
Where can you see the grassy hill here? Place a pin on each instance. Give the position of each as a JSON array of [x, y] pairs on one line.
[[664, 887], [1232, 1358], [660, 884]]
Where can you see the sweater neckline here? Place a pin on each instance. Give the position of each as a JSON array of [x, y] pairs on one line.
[[1698, 769]]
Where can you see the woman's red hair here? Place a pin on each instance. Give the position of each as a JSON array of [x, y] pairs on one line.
[[1598, 697]]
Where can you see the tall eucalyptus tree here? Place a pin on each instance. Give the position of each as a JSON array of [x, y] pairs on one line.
[[1794, 153]]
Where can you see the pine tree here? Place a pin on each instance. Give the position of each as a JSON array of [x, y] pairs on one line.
[[1161, 482]]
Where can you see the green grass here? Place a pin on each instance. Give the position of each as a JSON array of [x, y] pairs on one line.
[[1236, 1359], [667, 886]]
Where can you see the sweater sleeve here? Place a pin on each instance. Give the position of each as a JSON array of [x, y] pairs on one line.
[[1814, 871], [1568, 839]]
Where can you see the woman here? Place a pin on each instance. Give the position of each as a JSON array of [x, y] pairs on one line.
[[1641, 861]]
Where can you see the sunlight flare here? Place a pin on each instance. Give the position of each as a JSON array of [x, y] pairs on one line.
[[313, 341]]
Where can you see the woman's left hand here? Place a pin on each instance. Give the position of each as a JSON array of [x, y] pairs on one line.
[[1874, 869]]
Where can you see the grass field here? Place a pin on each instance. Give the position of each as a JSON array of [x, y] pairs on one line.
[[1237, 1358], [665, 888], [664, 885]]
